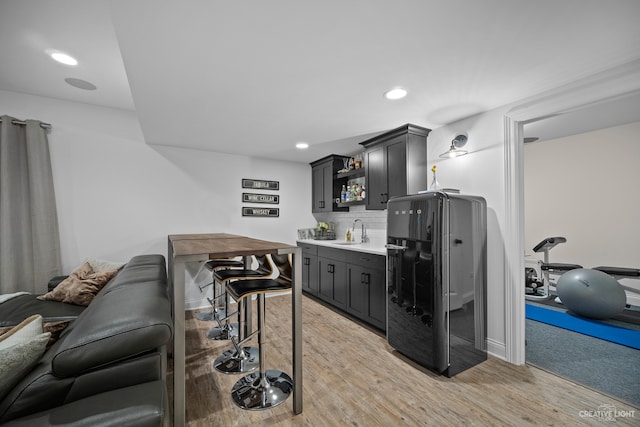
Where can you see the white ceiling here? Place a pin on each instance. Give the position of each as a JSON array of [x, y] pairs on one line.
[[255, 77]]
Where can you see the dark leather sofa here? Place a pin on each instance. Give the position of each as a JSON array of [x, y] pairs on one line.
[[108, 367]]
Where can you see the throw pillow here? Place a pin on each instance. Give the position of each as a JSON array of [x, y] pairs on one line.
[[23, 331], [80, 287], [20, 350], [100, 265], [56, 328]]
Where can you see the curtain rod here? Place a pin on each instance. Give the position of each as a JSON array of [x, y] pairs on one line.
[[20, 122]]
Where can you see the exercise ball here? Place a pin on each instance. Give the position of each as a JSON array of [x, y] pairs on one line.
[[591, 293]]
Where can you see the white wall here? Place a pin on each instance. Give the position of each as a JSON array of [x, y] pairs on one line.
[[480, 173], [586, 188], [118, 197]]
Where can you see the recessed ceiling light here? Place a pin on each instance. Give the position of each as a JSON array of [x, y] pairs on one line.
[[80, 84], [64, 58], [302, 145], [395, 93]]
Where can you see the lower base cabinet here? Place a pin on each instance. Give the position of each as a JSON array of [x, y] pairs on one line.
[[332, 283], [366, 288], [351, 281], [310, 268]]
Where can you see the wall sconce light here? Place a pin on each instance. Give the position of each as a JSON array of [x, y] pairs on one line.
[[455, 151]]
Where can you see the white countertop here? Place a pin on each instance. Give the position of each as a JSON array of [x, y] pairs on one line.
[[371, 247]]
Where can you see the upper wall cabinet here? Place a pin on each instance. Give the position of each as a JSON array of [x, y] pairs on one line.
[[395, 164], [325, 190]]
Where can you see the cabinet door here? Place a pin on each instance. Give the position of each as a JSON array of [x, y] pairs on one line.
[[376, 178], [317, 184], [396, 163], [326, 270], [358, 292], [310, 273], [332, 285], [340, 284], [327, 188], [377, 298]]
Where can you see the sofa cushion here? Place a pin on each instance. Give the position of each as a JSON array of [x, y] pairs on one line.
[[19, 308], [20, 350], [80, 287], [118, 325], [138, 405]]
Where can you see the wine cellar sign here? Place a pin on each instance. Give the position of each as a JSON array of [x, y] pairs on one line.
[[258, 184], [274, 199]]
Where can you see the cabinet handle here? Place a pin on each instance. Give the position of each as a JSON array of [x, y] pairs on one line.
[[330, 268], [362, 278], [367, 277], [321, 203], [307, 261]]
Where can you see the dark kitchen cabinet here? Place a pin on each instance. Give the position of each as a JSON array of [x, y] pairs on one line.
[[310, 268], [333, 277], [366, 297], [326, 190], [395, 164], [351, 281]]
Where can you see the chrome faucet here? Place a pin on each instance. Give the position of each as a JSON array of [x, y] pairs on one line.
[[363, 236]]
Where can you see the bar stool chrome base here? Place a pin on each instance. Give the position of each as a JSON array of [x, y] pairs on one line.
[[256, 392], [210, 315], [230, 362], [224, 333]]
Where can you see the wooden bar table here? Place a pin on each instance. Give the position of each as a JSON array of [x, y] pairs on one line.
[[184, 248]]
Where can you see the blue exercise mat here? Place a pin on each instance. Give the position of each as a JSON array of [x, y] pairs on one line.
[[593, 328]]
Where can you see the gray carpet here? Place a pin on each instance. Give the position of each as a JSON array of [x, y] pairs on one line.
[[610, 368]]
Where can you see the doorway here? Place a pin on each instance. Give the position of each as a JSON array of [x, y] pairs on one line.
[[603, 87], [574, 187]]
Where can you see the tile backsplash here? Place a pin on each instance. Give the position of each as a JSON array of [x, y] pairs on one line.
[[374, 221]]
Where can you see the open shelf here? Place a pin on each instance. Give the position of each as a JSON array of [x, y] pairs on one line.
[[355, 202], [353, 173]]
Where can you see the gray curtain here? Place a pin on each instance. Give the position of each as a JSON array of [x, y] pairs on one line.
[[29, 237]]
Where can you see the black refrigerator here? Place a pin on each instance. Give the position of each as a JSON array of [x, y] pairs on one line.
[[436, 279]]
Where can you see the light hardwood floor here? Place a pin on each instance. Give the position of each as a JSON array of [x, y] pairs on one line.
[[352, 377]]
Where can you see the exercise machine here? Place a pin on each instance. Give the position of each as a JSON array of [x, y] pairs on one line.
[[537, 285]]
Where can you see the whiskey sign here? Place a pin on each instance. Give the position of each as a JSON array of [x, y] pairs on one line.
[[273, 199], [263, 212], [259, 184]]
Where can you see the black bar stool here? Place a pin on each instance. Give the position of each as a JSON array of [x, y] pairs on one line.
[[265, 388], [238, 359], [225, 330], [214, 265]]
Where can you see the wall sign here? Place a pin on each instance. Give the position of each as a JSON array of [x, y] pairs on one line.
[[259, 184], [263, 212], [274, 199]]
